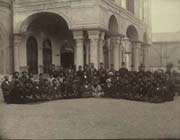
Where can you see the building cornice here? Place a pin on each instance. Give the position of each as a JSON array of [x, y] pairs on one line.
[[6, 3], [166, 42]]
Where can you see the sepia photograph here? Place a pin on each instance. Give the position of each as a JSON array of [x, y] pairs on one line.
[[89, 69]]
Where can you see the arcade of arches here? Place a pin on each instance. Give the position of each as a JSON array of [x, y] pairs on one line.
[[48, 41]]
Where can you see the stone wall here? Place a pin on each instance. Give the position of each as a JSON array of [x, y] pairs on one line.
[[164, 53], [6, 15]]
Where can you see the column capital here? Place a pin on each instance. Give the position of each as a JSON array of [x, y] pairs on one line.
[[18, 39], [78, 34], [94, 34], [102, 35], [18, 36], [116, 40], [145, 45], [125, 39]]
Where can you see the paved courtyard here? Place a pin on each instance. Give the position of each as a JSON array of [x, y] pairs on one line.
[[91, 118]]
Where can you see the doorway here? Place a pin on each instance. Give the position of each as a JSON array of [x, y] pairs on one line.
[[32, 55], [47, 56]]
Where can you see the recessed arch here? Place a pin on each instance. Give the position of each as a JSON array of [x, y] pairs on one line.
[[27, 21], [51, 30], [113, 25], [132, 33]]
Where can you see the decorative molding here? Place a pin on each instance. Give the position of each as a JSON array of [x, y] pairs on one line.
[[6, 4]]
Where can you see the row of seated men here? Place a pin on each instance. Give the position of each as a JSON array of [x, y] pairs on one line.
[[89, 82]]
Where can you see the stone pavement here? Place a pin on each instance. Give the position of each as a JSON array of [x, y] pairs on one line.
[[90, 118]]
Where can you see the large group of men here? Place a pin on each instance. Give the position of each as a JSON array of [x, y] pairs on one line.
[[86, 82]]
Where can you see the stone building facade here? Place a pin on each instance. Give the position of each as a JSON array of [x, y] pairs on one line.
[[165, 49], [67, 32], [6, 36]]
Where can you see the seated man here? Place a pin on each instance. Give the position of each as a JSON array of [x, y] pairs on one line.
[[97, 89]]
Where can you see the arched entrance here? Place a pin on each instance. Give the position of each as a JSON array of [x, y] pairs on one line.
[[32, 55], [132, 34], [47, 55], [51, 30]]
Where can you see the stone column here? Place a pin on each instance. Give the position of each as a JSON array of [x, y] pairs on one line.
[[101, 47], [143, 53], [94, 44], [109, 52], [138, 55], [145, 57], [136, 49], [121, 49], [127, 48], [116, 52], [17, 43], [79, 49], [87, 52], [133, 57]]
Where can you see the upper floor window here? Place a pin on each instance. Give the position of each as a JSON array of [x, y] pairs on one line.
[[130, 5]]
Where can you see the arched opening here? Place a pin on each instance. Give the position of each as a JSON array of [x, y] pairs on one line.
[[113, 25], [32, 55], [109, 45], [132, 34], [51, 30]]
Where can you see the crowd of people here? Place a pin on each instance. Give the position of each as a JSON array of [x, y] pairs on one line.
[[89, 82]]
